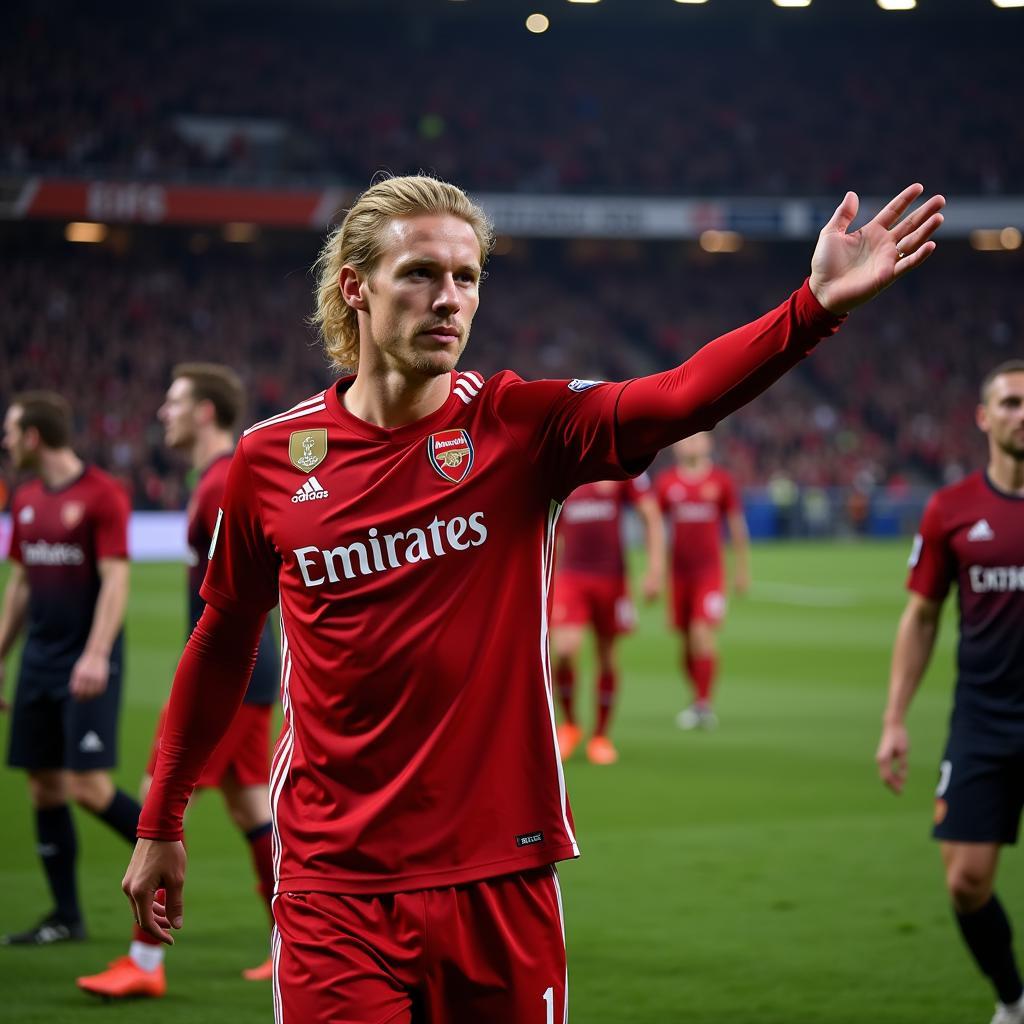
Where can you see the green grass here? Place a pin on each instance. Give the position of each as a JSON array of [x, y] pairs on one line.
[[758, 875]]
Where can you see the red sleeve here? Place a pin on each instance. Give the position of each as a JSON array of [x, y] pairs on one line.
[[654, 412], [14, 550], [110, 523], [931, 563], [730, 496], [244, 565], [566, 428], [661, 490], [208, 688], [209, 497]]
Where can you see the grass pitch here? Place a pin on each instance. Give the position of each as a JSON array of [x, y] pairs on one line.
[[758, 875]]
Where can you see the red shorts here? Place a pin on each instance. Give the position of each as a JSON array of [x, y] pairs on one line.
[[490, 951], [698, 598], [244, 752], [586, 599]]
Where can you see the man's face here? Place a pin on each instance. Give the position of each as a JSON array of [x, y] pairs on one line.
[[692, 450], [1001, 416], [423, 294], [15, 442], [178, 414]]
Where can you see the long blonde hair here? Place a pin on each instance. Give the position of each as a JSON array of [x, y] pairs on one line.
[[358, 240]]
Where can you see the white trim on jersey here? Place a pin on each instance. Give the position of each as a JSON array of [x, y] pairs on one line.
[[474, 377], [275, 956], [282, 761], [290, 414], [546, 566], [561, 921], [465, 399], [468, 386]]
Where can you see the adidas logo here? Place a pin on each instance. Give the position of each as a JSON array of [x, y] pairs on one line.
[[981, 531], [91, 743], [311, 490]]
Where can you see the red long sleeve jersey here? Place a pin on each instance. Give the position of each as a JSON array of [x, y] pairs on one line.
[[413, 566]]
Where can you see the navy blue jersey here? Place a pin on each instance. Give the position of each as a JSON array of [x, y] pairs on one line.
[[59, 537], [203, 514]]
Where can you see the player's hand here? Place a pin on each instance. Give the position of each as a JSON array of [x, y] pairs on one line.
[[652, 586], [156, 865], [741, 583], [847, 269], [89, 676], [893, 750]]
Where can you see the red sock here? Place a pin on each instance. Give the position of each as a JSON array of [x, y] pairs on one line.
[[138, 935], [565, 681], [607, 684], [263, 861], [703, 672]]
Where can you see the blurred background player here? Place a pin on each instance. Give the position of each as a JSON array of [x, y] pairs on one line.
[[972, 533], [69, 584], [698, 496], [591, 588], [200, 412]]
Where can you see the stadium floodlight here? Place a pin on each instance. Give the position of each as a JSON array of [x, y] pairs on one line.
[[85, 231], [1011, 238], [691, 1], [584, 1], [240, 232], [1008, 3], [792, 3], [897, 5], [996, 239], [721, 241], [537, 23]]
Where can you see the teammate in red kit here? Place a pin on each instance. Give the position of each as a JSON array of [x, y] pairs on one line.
[[591, 589], [972, 534], [200, 413], [69, 585], [699, 497], [405, 519]]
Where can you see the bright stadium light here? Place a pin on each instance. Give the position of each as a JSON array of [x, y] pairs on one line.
[[1011, 238], [537, 23], [792, 3], [897, 5], [996, 239], [240, 232], [691, 1], [584, 1], [85, 231], [721, 241], [1008, 3]]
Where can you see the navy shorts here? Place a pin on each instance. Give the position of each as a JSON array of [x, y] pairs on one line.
[[980, 796], [52, 730]]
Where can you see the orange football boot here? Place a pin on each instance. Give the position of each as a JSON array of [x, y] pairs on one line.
[[569, 736], [125, 979], [601, 750], [265, 971]]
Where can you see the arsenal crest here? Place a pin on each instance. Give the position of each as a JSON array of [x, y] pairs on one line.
[[71, 513], [307, 448], [451, 454]]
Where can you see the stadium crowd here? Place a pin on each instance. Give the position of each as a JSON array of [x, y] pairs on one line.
[[891, 403], [79, 95]]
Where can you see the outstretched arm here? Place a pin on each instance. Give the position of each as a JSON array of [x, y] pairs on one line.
[[654, 535], [915, 640], [847, 269]]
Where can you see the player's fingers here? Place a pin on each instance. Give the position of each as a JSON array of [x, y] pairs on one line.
[[916, 218], [845, 212], [915, 259], [890, 214], [175, 905], [910, 243]]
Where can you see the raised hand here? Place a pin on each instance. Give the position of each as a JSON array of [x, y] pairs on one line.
[[848, 269]]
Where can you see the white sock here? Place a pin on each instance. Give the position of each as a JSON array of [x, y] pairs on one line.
[[147, 957]]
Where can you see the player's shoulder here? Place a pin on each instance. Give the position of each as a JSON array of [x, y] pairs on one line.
[[309, 414], [30, 490], [955, 495], [99, 482], [214, 477]]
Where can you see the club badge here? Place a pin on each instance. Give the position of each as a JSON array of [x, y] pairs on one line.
[[307, 448], [451, 454], [71, 513]]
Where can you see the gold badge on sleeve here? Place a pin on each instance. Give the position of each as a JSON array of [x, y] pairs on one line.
[[307, 448]]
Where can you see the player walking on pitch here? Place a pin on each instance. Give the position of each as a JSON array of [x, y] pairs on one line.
[[972, 533], [200, 413], [591, 588], [69, 585], [698, 497], [406, 518]]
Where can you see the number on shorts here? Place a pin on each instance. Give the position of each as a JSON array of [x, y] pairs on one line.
[[945, 771], [549, 1000]]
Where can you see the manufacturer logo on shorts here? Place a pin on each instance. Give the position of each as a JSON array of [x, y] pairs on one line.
[[981, 531], [71, 513], [91, 743], [583, 385], [307, 448], [451, 453], [530, 839], [311, 490]]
